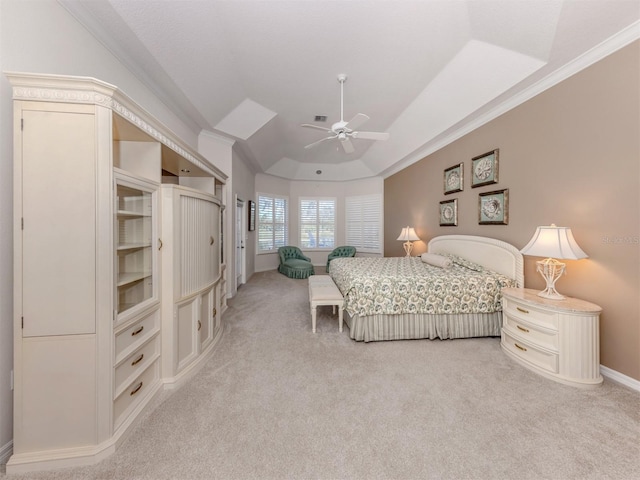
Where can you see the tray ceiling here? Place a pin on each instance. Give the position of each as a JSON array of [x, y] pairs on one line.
[[425, 71]]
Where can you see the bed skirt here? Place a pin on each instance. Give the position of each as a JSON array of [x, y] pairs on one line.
[[373, 328]]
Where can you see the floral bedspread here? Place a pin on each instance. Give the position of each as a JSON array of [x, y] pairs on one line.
[[394, 285]]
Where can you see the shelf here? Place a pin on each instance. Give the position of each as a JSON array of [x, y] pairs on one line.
[[132, 246], [131, 277], [132, 214]]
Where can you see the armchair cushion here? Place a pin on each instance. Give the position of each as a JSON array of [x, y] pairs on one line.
[[343, 251], [293, 263]]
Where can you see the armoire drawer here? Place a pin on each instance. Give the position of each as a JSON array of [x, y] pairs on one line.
[[543, 359], [131, 337], [135, 392], [135, 363]]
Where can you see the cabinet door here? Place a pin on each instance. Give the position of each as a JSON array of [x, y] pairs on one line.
[[59, 213], [186, 332], [199, 243]]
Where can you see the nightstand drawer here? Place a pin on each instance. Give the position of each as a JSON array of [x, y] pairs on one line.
[[531, 333], [530, 353], [530, 314]]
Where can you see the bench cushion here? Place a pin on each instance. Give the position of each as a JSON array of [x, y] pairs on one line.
[[326, 291]]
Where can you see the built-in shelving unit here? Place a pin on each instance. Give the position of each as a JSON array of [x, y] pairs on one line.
[[88, 323]]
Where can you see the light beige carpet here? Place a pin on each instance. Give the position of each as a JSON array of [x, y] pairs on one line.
[[279, 402]]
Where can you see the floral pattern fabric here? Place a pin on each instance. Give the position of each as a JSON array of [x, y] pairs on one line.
[[395, 285]]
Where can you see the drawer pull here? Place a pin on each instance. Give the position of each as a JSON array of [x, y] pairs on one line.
[[199, 325], [136, 390], [521, 348], [137, 360], [525, 330], [214, 311], [522, 310], [133, 334], [159, 244], [211, 240]]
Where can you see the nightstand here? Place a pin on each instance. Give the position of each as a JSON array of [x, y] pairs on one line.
[[559, 339]]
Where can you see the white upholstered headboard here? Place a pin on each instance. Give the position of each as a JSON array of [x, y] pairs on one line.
[[493, 254]]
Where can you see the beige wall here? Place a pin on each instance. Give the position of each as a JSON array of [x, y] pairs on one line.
[[570, 156]]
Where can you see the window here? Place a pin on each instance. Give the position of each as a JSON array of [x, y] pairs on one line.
[[317, 223], [364, 222], [272, 223]]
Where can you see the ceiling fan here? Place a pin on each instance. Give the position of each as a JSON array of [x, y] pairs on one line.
[[345, 131]]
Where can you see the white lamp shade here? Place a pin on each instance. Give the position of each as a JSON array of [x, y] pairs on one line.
[[408, 234], [554, 242]]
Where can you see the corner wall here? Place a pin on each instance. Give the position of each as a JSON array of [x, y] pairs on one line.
[[569, 156]]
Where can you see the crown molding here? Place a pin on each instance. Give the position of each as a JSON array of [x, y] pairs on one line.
[[594, 55]]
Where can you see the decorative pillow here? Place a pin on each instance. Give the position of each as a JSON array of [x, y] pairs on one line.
[[463, 262], [436, 260]]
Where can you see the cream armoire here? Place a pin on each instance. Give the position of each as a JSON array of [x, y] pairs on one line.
[[91, 331]]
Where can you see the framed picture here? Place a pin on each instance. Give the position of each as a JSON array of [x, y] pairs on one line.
[[449, 213], [493, 208], [453, 181], [484, 169], [252, 215]]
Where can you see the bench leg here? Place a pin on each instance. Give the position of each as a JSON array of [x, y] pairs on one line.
[[313, 318]]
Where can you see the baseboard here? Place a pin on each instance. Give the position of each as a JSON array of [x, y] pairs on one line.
[[5, 452], [618, 377]]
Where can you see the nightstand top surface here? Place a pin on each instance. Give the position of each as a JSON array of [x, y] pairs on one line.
[[569, 304]]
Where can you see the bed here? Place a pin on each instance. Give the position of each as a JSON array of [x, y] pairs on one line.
[[394, 298]]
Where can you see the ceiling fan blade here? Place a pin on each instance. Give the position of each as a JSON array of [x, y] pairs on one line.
[[371, 135], [356, 121], [318, 127], [347, 145], [319, 141]]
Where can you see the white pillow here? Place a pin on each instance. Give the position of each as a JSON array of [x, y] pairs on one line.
[[436, 260]]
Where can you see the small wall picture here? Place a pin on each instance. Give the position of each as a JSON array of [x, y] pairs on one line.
[[493, 208], [449, 213], [484, 169], [453, 181], [252, 215]]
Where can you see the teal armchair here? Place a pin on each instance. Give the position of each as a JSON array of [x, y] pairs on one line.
[[344, 251], [293, 263]]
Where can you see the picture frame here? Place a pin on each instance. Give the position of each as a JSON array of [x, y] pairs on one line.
[[252, 215], [454, 179], [493, 207], [484, 169], [449, 213]]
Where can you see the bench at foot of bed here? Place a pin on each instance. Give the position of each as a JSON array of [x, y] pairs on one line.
[[322, 291]]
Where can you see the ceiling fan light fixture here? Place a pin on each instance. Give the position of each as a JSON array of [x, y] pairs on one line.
[[342, 130]]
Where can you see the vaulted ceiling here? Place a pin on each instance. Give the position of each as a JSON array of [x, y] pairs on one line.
[[424, 71]]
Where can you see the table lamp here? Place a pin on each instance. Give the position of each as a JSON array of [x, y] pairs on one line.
[[552, 242], [408, 234]]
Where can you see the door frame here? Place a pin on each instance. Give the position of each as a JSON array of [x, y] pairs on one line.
[[240, 236]]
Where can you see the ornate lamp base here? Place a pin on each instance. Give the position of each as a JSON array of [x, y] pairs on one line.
[[551, 270], [408, 246]]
